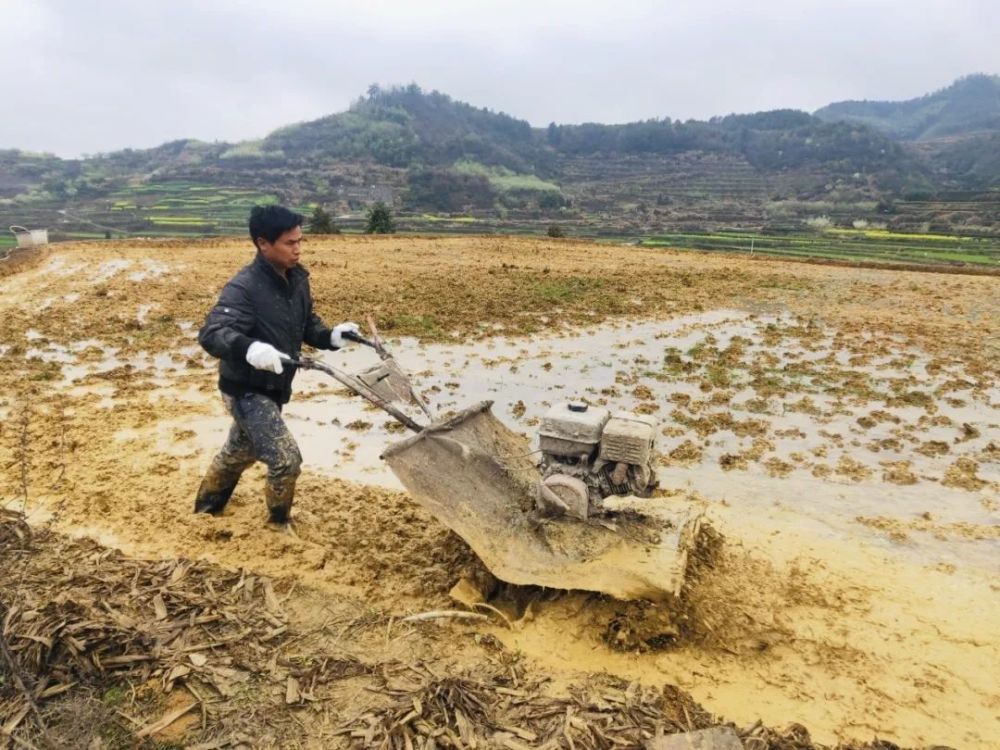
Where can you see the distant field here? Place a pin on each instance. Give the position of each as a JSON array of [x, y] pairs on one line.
[[845, 245], [504, 180], [181, 208], [175, 208]]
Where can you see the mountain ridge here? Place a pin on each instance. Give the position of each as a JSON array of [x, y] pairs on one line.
[[426, 152], [970, 104]]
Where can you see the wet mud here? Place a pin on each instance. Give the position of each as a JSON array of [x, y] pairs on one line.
[[841, 424]]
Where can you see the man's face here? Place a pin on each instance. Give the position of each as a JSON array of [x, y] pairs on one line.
[[284, 252]]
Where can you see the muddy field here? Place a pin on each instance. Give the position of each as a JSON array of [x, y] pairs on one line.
[[842, 425]]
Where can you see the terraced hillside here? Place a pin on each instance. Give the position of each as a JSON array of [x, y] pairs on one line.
[[443, 164]]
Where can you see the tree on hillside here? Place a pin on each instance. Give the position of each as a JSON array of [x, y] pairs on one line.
[[321, 222], [447, 190], [380, 220]]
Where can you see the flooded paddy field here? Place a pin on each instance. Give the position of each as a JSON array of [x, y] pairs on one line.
[[841, 425]]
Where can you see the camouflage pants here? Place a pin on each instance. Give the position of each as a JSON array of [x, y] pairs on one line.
[[258, 433]]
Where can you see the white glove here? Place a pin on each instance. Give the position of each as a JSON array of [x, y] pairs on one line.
[[337, 334], [265, 357]]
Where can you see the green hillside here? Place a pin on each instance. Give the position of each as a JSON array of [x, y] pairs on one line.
[[407, 127], [447, 165], [404, 126], [969, 105]]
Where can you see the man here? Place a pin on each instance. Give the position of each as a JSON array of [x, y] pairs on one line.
[[264, 314]]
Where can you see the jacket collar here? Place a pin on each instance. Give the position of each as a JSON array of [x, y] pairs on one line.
[[295, 275]]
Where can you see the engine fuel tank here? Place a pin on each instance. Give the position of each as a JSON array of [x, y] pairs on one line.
[[572, 429]]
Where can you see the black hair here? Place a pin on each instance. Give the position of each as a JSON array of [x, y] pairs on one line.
[[270, 222]]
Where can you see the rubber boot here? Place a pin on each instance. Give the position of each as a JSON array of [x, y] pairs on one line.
[[213, 493], [279, 515], [279, 494]]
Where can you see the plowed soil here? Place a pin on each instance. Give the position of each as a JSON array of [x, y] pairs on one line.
[[878, 621]]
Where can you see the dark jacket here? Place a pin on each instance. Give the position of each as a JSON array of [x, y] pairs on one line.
[[259, 304]]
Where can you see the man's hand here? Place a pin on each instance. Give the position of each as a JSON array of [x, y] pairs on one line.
[[337, 339], [265, 357]]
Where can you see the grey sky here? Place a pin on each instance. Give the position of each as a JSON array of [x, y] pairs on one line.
[[97, 75]]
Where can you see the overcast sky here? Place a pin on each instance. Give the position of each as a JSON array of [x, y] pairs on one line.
[[97, 75]]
